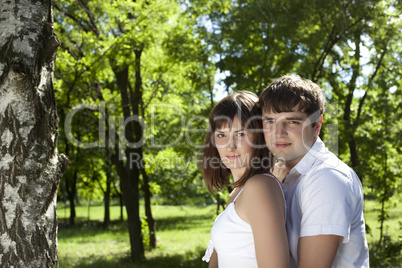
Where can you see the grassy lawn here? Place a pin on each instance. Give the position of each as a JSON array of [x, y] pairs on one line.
[[392, 226], [182, 233]]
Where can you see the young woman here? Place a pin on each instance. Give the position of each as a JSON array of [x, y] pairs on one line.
[[251, 231]]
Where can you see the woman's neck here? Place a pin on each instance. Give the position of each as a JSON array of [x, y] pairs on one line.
[[237, 173]]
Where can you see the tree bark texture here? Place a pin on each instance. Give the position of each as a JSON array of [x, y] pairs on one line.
[[30, 167]]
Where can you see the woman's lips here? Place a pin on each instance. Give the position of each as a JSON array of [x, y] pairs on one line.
[[231, 157]]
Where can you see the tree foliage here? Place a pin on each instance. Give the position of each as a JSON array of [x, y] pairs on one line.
[[140, 65]]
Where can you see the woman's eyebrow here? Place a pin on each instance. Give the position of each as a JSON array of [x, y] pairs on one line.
[[267, 118], [222, 131]]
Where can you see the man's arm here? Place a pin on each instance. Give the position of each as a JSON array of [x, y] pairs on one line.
[[213, 262], [317, 251]]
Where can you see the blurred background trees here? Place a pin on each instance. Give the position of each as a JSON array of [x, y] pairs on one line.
[[135, 81]]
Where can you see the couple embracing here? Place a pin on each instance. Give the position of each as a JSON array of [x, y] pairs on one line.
[[304, 211]]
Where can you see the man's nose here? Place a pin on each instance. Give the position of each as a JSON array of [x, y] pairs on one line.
[[281, 128]]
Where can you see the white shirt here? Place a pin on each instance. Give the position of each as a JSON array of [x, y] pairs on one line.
[[325, 197]]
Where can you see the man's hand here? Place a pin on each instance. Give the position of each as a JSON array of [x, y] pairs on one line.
[[280, 171]]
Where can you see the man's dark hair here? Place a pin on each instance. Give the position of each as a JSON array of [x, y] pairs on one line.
[[292, 93]]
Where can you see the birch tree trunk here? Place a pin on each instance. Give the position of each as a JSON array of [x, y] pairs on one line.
[[30, 167]]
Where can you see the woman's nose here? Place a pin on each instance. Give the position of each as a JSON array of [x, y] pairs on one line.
[[232, 144]]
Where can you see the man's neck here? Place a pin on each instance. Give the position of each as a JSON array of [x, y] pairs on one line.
[[292, 163]]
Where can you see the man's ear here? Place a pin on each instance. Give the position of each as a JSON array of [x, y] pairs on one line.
[[317, 127]]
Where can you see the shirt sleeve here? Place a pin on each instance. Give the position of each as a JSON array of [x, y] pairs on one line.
[[327, 204]]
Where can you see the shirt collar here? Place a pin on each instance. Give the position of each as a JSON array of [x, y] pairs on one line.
[[308, 160], [306, 163]]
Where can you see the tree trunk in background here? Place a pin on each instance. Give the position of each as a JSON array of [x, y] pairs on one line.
[[136, 104], [30, 167], [71, 186], [106, 219], [119, 194], [148, 209], [348, 121], [129, 173]]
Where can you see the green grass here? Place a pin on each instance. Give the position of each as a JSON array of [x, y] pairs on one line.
[[182, 233], [392, 226]]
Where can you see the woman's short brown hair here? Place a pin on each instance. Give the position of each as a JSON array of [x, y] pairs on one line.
[[243, 105]]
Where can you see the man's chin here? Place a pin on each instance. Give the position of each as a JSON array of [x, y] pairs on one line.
[[279, 158], [282, 160]]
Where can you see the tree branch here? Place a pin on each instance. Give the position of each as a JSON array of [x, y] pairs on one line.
[[71, 16], [91, 16], [369, 84]]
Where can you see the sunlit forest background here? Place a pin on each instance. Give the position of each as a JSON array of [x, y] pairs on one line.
[[135, 81]]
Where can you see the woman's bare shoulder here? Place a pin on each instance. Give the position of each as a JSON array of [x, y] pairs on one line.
[[262, 180], [262, 184], [261, 199]]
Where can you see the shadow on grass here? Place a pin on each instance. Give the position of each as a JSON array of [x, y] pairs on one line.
[[190, 259], [84, 228], [96, 227], [85, 231], [182, 222]]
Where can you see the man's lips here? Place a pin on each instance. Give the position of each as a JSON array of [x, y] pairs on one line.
[[281, 145], [231, 157]]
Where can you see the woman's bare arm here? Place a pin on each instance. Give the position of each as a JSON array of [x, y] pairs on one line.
[[261, 205]]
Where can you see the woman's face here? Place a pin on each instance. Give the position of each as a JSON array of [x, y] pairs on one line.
[[234, 145]]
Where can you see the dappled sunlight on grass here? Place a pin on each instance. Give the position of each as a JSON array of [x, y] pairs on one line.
[[182, 234]]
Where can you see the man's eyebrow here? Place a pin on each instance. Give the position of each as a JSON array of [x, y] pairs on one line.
[[297, 118]]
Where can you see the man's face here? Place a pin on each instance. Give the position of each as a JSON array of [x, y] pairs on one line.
[[289, 135]]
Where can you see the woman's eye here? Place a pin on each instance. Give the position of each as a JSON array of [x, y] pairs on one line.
[[220, 135]]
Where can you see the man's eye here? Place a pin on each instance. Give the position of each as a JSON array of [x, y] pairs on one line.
[[294, 122], [268, 122]]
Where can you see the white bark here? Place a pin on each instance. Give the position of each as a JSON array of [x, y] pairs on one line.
[[30, 167]]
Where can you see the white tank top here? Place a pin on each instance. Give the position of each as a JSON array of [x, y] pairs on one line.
[[232, 239]]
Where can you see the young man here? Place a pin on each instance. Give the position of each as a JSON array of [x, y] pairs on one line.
[[324, 196]]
